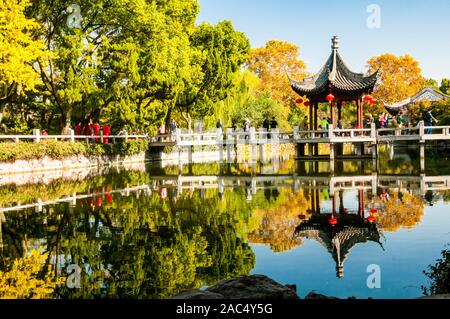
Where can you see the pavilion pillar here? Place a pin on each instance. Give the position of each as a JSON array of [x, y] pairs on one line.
[[316, 106], [361, 203], [311, 119], [316, 146], [339, 109], [333, 114], [359, 112]]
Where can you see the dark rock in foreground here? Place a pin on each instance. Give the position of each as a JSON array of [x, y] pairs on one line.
[[243, 287], [314, 295]]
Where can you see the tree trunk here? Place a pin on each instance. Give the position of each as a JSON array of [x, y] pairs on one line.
[[188, 119], [168, 118]]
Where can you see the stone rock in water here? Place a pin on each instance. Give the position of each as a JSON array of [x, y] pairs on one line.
[[252, 287], [314, 295]]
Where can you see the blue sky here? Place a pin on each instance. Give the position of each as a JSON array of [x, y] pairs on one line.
[[419, 28]]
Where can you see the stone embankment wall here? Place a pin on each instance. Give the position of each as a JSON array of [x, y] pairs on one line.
[[73, 162]]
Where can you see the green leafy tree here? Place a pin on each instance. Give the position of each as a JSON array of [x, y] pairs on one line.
[[219, 53], [445, 86]]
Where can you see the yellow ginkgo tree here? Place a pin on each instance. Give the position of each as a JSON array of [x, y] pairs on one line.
[[19, 50], [27, 278]]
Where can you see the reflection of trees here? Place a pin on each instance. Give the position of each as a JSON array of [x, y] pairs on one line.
[[439, 275], [142, 247], [22, 279], [402, 210], [278, 223]]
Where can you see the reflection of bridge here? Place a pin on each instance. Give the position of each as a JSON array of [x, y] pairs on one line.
[[266, 182], [333, 183]]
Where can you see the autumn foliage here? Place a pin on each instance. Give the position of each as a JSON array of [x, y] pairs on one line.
[[22, 279], [278, 224], [271, 62], [400, 77], [400, 212]]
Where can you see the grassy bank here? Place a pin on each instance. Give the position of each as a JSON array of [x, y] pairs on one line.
[[10, 152]]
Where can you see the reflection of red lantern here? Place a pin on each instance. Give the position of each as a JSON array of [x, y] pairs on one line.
[[299, 100], [330, 98], [332, 221], [367, 98], [307, 103], [109, 198]]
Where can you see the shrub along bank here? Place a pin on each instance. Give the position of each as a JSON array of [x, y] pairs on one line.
[[10, 152]]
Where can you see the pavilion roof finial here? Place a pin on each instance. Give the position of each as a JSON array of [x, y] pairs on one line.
[[335, 43]]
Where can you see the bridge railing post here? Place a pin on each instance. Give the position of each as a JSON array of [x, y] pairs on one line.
[[421, 129], [331, 131], [178, 136], [252, 135], [37, 134], [373, 131], [275, 135], [296, 134]]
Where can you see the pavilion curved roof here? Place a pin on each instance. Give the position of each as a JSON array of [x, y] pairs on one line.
[[335, 75], [339, 240]]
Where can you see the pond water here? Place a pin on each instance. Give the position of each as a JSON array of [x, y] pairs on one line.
[[158, 230]]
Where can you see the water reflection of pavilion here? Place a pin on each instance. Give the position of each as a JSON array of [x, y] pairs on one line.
[[339, 239]]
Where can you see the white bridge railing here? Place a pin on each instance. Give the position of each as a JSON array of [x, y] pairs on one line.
[[37, 137], [331, 135], [260, 136]]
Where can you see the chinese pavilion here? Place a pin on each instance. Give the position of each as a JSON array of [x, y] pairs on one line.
[[339, 239], [335, 83]]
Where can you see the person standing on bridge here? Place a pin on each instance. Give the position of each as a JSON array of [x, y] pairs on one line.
[[429, 119], [219, 124]]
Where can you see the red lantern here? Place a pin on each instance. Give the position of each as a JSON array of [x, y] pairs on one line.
[[332, 221], [373, 101], [299, 100], [367, 98], [307, 103], [374, 212], [371, 219], [330, 98]]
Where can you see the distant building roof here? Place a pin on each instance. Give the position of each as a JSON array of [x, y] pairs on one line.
[[426, 94], [334, 75]]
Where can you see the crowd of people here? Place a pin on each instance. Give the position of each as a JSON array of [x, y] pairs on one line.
[[92, 129]]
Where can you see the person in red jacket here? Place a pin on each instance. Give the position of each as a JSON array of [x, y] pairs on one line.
[[78, 129], [89, 128], [106, 133], [96, 127]]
